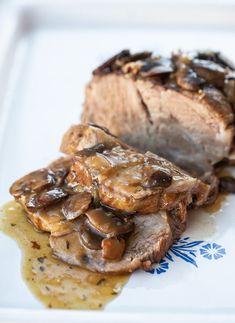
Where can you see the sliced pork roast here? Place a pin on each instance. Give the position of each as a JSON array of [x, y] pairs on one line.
[[108, 207], [178, 107], [122, 177]]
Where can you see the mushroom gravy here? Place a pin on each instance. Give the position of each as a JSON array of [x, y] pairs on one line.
[[54, 283]]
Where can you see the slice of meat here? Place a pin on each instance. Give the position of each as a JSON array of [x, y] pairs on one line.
[[150, 241], [128, 180], [51, 220], [183, 113], [108, 207], [80, 137]]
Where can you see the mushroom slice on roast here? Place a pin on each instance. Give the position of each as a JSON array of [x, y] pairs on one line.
[[76, 205], [216, 57], [45, 198], [89, 238], [187, 79], [229, 87], [109, 224], [210, 71], [152, 237], [60, 168], [113, 63], [107, 231], [33, 182], [155, 67], [120, 60]]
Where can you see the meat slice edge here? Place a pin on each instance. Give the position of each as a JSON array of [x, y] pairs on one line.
[[148, 244]]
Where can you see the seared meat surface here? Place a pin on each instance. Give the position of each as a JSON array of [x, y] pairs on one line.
[[179, 107], [127, 180], [108, 207]]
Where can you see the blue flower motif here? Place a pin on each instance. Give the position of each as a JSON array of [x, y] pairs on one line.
[[212, 251], [185, 250], [160, 267]]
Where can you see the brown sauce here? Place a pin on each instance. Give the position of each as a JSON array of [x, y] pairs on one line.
[[54, 283], [217, 205], [202, 222]]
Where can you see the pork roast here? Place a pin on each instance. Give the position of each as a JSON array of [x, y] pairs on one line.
[[178, 107], [108, 207]]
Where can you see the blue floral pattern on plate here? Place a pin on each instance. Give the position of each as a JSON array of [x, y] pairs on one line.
[[160, 268], [212, 251], [188, 251], [185, 250]]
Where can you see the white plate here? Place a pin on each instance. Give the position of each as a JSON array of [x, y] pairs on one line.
[[46, 58]]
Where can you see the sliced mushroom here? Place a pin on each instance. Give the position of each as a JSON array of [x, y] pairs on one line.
[[61, 168], [76, 205], [109, 65], [157, 67], [216, 57], [210, 71], [45, 198], [187, 79], [156, 178], [139, 56], [117, 212], [33, 182], [90, 239], [109, 224], [229, 88], [113, 248]]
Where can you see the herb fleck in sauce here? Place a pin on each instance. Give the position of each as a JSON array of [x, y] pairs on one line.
[[56, 284]]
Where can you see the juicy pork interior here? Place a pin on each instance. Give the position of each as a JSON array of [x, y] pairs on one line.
[[179, 107], [108, 207]]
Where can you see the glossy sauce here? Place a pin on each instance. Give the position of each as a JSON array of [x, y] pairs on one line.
[[56, 284], [202, 222], [217, 205]]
